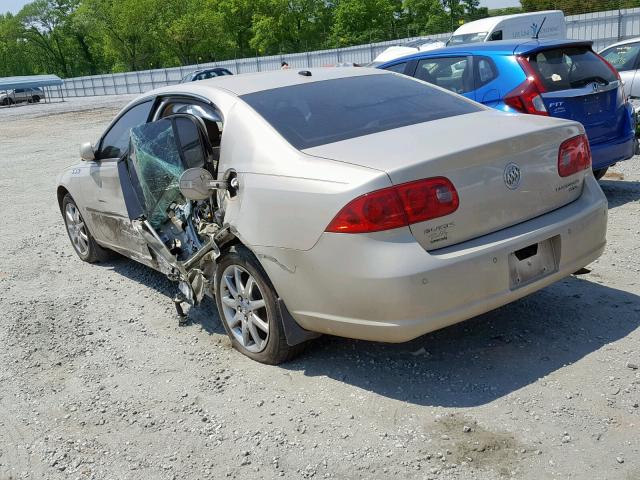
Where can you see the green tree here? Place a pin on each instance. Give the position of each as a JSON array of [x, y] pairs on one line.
[[362, 21], [16, 56], [44, 24], [192, 31], [424, 17], [291, 26], [128, 28]]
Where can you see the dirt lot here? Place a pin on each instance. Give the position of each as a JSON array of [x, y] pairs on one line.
[[98, 381]]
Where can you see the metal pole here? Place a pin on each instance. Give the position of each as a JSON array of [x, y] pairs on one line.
[[619, 23], [139, 84]]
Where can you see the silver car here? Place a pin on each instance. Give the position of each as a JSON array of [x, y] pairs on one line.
[[21, 95], [625, 56], [338, 201]]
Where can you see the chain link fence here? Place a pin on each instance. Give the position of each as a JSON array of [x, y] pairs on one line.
[[603, 28]]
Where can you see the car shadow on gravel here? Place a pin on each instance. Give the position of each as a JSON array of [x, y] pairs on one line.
[[485, 358], [620, 192], [206, 314]]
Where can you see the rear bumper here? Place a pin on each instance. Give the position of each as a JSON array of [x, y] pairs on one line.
[[607, 153], [386, 287]]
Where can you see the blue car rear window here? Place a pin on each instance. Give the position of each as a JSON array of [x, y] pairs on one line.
[[329, 111], [567, 68]]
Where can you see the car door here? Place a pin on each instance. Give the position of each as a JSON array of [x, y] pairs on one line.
[[455, 73], [19, 95], [626, 59], [105, 206]]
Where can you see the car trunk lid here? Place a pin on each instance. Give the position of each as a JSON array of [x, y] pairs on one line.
[[479, 160]]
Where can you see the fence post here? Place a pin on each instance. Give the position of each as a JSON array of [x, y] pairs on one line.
[[619, 24], [140, 84], [126, 82], [166, 76]]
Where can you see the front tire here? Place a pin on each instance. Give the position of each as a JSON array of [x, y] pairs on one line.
[[600, 172], [82, 241], [247, 305]]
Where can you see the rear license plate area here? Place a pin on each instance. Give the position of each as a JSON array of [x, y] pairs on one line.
[[534, 262], [595, 104]]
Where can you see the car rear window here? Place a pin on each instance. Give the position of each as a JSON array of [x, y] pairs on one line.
[[573, 67], [329, 111]]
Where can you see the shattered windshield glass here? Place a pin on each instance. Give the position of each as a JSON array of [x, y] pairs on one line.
[[155, 157]]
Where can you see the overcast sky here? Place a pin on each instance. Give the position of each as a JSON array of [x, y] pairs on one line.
[[15, 5]]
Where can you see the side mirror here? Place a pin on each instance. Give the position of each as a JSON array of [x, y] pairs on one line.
[[86, 152]]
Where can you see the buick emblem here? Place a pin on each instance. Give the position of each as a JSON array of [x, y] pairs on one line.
[[511, 176]]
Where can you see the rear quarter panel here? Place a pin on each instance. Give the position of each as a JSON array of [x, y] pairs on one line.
[[510, 75], [286, 198]]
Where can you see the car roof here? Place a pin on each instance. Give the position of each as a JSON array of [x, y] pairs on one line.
[[255, 82], [498, 47], [623, 42]]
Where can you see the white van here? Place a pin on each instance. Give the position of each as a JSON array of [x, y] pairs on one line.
[[511, 27]]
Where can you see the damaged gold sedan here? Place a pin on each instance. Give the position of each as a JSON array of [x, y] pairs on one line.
[[338, 201]]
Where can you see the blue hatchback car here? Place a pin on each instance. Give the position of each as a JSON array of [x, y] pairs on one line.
[[558, 78]]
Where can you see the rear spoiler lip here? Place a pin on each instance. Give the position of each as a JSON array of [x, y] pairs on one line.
[[535, 46]]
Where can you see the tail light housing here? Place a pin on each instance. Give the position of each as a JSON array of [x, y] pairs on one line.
[[527, 97], [397, 206], [574, 156]]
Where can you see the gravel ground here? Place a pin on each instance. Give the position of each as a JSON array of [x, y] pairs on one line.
[[98, 381]]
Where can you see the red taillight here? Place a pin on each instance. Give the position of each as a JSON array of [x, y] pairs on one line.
[[526, 97], [397, 206], [574, 156]]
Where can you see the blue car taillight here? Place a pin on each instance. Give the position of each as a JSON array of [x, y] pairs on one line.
[[526, 97]]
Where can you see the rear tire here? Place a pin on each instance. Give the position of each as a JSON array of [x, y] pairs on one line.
[[600, 172], [36, 98], [81, 239], [247, 305]]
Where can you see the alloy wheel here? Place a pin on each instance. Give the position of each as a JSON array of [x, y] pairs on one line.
[[244, 308], [77, 229]]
